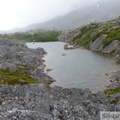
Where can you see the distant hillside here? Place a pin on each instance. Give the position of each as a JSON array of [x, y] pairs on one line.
[[102, 11], [102, 37]]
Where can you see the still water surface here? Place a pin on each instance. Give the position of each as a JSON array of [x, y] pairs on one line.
[[79, 68]]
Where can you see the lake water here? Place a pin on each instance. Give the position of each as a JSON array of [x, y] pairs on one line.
[[79, 68]]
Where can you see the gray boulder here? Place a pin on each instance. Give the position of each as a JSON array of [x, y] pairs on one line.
[[68, 46], [2, 51], [101, 97], [97, 45], [116, 76], [117, 52], [68, 35], [24, 115], [42, 77], [11, 54], [111, 47], [30, 60], [117, 107], [39, 51], [12, 67], [115, 98]]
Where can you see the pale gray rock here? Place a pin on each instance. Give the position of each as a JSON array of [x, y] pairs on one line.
[[111, 48], [117, 107], [101, 96], [68, 46], [41, 77], [117, 52], [97, 45], [12, 67]]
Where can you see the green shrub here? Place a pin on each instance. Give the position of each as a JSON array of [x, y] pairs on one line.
[[37, 37], [112, 35], [112, 91], [84, 37], [114, 102], [1, 102]]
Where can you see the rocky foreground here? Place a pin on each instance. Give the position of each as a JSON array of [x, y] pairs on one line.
[[22, 99], [37, 102]]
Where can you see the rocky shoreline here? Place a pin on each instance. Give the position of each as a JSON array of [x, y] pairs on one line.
[[31, 100]]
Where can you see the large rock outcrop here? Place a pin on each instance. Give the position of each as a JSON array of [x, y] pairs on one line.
[[15, 55], [68, 35], [112, 47], [36, 102], [97, 45]]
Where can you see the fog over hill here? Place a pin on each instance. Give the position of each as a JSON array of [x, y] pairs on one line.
[[101, 11]]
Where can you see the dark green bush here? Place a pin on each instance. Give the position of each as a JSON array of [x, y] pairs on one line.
[[37, 37], [112, 35]]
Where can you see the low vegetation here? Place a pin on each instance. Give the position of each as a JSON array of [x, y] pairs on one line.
[[48, 86], [113, 34], [24, 66], [33, 37], [17, 77], [112, 91], [89, 33], [85, 37], [114, 101]]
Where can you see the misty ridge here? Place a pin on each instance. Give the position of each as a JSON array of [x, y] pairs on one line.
[[100, 11], [77, 16]]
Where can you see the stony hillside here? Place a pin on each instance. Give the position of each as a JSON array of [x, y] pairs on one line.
[[101, 37], [23, 97]]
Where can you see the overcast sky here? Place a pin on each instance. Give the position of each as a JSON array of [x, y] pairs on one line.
[[20, 13]]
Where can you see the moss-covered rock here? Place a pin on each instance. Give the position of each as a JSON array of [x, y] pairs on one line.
[[112, 91], [17, 77]]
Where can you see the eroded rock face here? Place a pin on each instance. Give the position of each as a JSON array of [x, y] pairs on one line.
[[97, 45], [15, 55], [68, 35], [42, 77], [4, 66], [111, 47]]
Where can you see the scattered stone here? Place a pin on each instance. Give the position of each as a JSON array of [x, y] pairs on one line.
[[63, 54], [49, 69], [97, 45], [106, 74], [111, 47], [68, 46]]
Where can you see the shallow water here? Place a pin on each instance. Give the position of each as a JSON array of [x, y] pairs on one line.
[[79, 68]]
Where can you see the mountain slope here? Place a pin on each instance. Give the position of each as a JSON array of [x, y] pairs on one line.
[[102, 11]]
